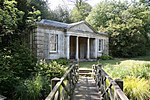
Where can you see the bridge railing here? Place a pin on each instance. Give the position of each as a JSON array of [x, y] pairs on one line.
[[63, 88], [110, 89]]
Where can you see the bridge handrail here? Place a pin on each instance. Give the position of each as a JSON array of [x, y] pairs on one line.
[[107, 92], [71, 76]]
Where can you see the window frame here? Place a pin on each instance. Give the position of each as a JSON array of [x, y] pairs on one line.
[[55, 42], [100, 45]]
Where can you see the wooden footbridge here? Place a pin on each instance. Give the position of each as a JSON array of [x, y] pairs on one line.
[[86, 84]]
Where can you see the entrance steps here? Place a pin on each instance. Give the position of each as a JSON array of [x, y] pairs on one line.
[[85, 72]]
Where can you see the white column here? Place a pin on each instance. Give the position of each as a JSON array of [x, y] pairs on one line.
[[68, 46], [77, 48], [96, 48], [88, 48]]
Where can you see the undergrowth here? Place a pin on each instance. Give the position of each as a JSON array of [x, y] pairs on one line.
[[136, 77]]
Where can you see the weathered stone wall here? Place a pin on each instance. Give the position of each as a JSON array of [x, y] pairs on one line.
[[61, 47], [106, 46], [39, 42], [42, 43]]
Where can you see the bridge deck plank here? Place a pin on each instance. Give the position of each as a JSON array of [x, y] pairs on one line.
[[86, 89]]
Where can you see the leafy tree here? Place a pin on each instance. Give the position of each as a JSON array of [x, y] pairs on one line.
[[80, 11], [127, 25], [17, 20], [103, 12], [16, 63], [61, 14], [16, 17], [42, 6], [31, 15], [10, 16]]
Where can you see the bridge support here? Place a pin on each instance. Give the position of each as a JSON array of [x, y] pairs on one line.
[[120, 83], [54, 81]]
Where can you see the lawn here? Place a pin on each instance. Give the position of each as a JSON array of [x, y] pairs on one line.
[[88, 64]]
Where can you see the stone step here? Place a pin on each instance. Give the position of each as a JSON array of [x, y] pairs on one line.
[[85, 70], [86, 74]]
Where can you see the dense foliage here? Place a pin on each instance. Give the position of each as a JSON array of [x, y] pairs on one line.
[[128, 26], [62, 61], [21, 77], [10, 16], [16, 63], [51, 70], [61, 14], [136, 77], [105, 57], [38, 87]]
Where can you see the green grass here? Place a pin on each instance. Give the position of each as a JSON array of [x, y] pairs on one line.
[[88, 64], [115, 61]]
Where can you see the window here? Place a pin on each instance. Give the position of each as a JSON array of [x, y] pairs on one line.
[[53, 42], [101, 45]]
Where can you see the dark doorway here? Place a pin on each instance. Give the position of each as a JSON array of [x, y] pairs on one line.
[[72, 47], [82, 48]]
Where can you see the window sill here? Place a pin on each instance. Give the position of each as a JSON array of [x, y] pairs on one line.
[[100, 51], [53, 52]]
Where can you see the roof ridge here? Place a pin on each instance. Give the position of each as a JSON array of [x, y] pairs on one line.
[[59, 24]]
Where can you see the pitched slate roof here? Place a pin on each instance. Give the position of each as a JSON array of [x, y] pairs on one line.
[[65, 25], [58, 24]]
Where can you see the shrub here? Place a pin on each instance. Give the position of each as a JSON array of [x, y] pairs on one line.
[[62, 61], [32, 89], [138, 69], [16, 63], [38, 87], [136, 88], [136, 78], [105, 57], [51, 70]]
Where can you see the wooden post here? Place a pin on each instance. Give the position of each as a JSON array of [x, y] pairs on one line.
[[120, 83], [2, 97], [54, 81]]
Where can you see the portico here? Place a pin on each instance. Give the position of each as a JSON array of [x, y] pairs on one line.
[[81, 47]]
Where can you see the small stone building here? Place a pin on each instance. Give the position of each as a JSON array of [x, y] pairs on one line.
[[79, 40]]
